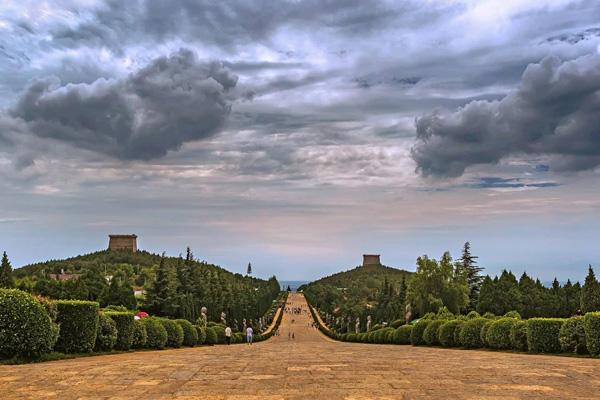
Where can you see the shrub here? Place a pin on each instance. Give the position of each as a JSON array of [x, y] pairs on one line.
[[140, 336], [156, 334], [572, 336], [543, 333], [116, 308], [201, 334], [26, 329], [124, 321], [591, 324], [211, 336], [220, 332], [457, 332], [376, 327], [489, 315], [350, 337], [416, 335], [446, 333], [370, 337], [518, 336], [512, 314], [389, 335], [78, 322], [402, 334], [431, 333], [484, 330], [238, 337], [397, 323], [473, 315], [190, 335], [106, 337], [444, 314], [498, 334], [174, 332], [470, 333]]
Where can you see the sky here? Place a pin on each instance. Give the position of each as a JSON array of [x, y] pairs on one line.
[[298, 135]]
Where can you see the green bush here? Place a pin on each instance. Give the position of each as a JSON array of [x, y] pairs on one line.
[[512, 314], [518, 336], [140, 336], [431, 332], [498, 334], [190, 335], [416, 335], [124, 321], [402, 334], [174, 332], [489, 315], [591, 324], [211, 336], [457, 332], [470, 333], [397, 323], [389, 335], [220, 332], [444, 314], [238, 337], [572, 336], [543, 333], [446, 333], [473, 315], [350, 337], [26, 329], [484, 330], [156, 334], [106, 337], [78, 322], [201, 334]]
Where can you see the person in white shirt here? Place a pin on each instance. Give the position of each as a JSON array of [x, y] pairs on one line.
[[228, 335], [249, 333]]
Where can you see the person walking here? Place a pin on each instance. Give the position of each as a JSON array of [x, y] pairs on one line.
[[228, 335], [249, 333]]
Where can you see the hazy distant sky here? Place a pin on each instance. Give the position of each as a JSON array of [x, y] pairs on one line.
[[299, 135]]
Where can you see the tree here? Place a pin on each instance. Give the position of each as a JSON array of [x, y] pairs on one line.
[[590, 293], [6, 278], [474, 279], [94, 282], [119, 293], [249, 270], [499, 295], [161, 296]]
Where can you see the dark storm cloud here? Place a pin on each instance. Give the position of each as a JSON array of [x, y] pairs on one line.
[[554, 111], [577, 37], [171, 101], [494, 182]]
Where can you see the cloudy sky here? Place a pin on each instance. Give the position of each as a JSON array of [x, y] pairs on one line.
[[299, 135]]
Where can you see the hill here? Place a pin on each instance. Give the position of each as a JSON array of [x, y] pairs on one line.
[[374, 290]]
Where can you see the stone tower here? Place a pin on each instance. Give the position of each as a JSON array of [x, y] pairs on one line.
[[122, 242], [371, 259]]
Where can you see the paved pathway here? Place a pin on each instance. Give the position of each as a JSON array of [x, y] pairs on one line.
[[309, 367]]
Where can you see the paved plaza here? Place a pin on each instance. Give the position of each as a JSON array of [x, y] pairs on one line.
[[310, 366]]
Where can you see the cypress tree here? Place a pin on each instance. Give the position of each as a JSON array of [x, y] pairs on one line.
[[472, 271], [590, 293], [6, 278]]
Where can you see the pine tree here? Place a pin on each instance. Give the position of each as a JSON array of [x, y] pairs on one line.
[[590, 293], [6, 278], [249, 271], [474, 279], [161, 297]]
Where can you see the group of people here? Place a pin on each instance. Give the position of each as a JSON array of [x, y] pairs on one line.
[[249, 335]]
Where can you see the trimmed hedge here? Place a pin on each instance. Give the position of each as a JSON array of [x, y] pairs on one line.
[[174, 332], [572, 336], [397, 323], [201, 334], [26, 329], [220, 332], [484, 330], [457, 332], [78, 322], [446, 333], [470, 333], [211, 336], [431, 333], [513, 314], [498, 333], [156, 333], [190, 335], [416, 335], [106, 337], [591, 324], [402, 334], [125, 327], [473, 315], [542, 334], [518, 336], [140, 336]]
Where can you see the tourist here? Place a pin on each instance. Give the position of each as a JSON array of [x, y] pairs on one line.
[[228, 335], [249, 333]]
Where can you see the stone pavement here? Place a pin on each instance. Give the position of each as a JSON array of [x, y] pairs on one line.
[[309, 367]]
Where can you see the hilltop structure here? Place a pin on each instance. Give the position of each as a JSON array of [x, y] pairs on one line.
[[122, 243], [371, 259]]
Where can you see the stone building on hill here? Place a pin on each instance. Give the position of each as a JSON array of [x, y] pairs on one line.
[[122, 243], [371, 259]]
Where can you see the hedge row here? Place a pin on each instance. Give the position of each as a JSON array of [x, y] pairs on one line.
[[579, 335]]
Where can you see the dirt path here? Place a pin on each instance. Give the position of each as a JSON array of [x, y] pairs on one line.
[[308, 367]]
